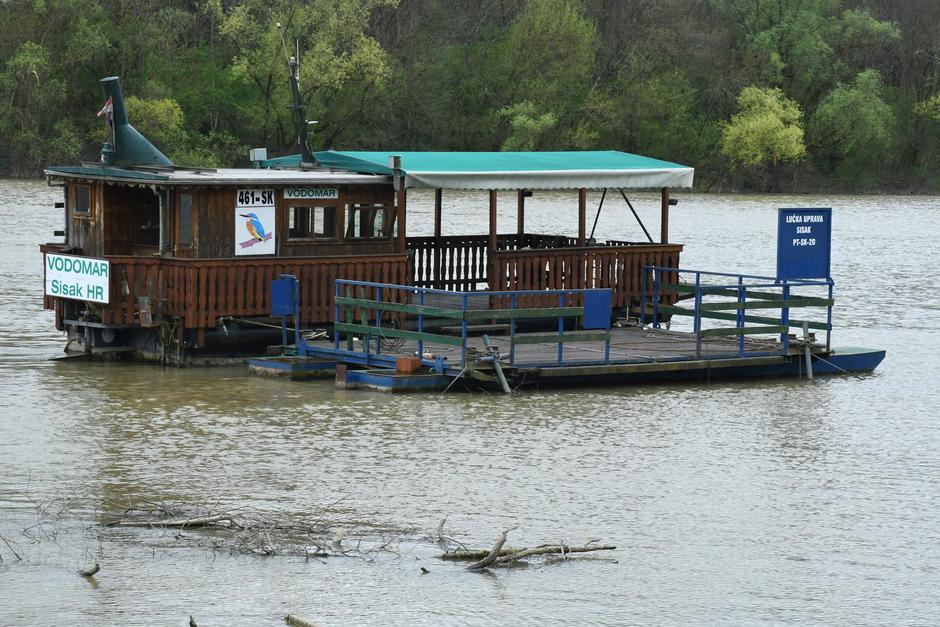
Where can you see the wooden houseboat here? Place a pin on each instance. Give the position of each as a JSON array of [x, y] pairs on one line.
[[175, 264]]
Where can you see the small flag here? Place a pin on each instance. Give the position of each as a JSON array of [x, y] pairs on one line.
[[107, 109]]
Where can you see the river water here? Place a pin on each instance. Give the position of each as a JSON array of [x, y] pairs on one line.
[[772, 502]]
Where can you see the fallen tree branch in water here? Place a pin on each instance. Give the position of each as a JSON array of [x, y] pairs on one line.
[[498, 556], [203, 521], [549, 549], [91, 571], [494, 552], [296, 621], [465, 555], [241, 530], [12, 550]]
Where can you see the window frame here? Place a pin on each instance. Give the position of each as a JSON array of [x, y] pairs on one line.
[[311, 236], [72, 199], [387, 221], [179, 221]]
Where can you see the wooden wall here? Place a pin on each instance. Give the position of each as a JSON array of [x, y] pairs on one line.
[[86, 231], [110, 226], [213, 219]]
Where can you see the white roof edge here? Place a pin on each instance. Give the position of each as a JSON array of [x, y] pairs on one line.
[[553, 179]]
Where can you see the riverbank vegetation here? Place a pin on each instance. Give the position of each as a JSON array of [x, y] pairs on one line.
[[756, 94]]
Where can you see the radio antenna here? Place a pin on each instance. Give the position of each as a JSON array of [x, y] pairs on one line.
[[297, 108]]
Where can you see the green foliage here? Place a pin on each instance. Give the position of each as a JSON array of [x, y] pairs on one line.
[[765, 131], [527, 126], [704, 83], [929, 108], [852, 127]]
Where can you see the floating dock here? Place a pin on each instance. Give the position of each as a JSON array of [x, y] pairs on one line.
[[401, 338]]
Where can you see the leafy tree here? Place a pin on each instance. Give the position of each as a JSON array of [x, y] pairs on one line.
[[338, 58], [851, 128], [929, 108], [527, 126], [766, 130]]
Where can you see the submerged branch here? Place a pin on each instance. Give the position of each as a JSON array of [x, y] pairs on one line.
[[499, 556], [184, 522], [494, 552]]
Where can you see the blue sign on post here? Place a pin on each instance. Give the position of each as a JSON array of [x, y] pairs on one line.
[[804, 243]]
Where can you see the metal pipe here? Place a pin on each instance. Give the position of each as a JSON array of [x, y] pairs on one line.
[[664, 217], [807, 353], [496, 365], [598, 214], [162, 219], [636, 215]]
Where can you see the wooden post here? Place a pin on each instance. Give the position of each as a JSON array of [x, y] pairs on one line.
[[664, 217], [491, 247], [582, 216], [438, 201], [402, 244], [163, 197], [492, 242], [520, 214]]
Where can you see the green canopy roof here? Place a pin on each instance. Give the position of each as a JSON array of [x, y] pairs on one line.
[[517, 170]]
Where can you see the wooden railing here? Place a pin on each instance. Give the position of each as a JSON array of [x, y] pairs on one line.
[[200, 291], [619, 268], [459, 262]]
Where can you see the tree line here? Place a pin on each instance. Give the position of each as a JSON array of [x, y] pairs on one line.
[[780, 95]]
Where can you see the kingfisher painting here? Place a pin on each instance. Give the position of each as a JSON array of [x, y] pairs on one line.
[[254, 226]]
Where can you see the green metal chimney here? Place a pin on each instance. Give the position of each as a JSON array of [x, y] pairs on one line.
[[127, 145]]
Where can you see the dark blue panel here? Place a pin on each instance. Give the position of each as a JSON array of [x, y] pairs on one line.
[[804, 243], [597, 309], [282, 297]]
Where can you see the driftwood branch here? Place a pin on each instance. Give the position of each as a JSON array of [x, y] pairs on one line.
[[440, 530], [494, 552], [548, 549], [499, 556], [296, 621], [182, 522], [466, 555], [12, 550], [91, 571]]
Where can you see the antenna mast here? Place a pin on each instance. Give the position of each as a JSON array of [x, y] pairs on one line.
[[298, 108]]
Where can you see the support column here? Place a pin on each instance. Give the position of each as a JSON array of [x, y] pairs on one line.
[[664, 217], [401, 242], [582, 216], [492, 242], [438, 201], [491, 247], [163, 197], [520, 213]]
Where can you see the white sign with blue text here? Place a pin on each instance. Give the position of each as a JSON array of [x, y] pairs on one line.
[[255, 222], [80, 278]]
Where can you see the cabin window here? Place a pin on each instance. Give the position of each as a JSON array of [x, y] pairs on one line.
[[147, 227], [312, 222], [185, 237], [368, 221], [82, 204]]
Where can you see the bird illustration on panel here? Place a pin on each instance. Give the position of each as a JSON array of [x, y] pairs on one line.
[[254, 226]]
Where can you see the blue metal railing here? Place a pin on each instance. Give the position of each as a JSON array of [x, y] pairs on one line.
[[379, 303], [740, 287]]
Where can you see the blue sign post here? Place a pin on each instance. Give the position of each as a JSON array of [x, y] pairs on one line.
[[804, 243]]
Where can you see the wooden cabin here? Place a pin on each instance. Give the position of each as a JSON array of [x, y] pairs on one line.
[[191, 252]]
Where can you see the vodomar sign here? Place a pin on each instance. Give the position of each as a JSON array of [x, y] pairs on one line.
[[311, 193], [81, 278]]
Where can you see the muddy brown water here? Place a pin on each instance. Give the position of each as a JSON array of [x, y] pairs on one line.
[[772, 502]]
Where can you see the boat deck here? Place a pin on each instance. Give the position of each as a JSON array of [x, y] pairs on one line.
[[629, 344]]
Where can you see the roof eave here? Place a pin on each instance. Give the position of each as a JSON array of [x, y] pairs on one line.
[[555, 179]]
